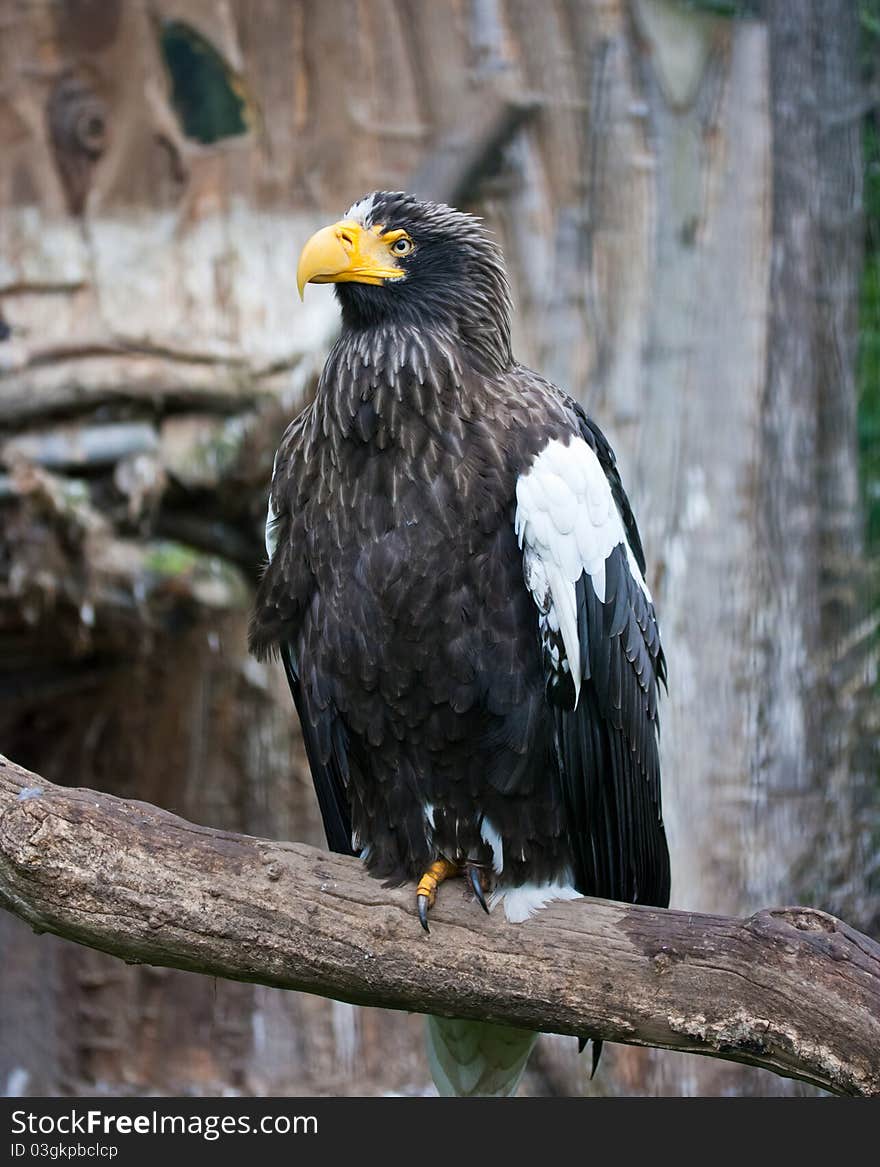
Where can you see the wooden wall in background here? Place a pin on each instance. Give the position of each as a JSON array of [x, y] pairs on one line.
[[678, 196]]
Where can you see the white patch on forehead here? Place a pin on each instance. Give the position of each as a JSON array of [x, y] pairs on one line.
[[361, 211]]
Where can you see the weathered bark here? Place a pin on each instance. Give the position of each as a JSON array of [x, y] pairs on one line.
[[792, 990]]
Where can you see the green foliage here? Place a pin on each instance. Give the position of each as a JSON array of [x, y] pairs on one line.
[[204, 91], [869, 18], [869, 331], [166, 558], [731, 8], [869, 342], [175, 569], [869, 314]]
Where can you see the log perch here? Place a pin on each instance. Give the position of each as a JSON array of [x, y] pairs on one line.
[[791, 989]]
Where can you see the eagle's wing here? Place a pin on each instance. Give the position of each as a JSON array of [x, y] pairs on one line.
[[283, 595], [583, 565], [327, 751]]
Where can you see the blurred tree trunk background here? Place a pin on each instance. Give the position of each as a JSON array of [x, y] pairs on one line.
[[678, 189]]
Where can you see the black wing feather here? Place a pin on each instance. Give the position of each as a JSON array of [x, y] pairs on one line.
[[608, 746], [327, 751], [608, 752]]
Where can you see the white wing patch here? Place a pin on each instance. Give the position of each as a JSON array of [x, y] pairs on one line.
[[567, 524]]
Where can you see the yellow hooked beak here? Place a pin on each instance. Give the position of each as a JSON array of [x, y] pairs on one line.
[[346, 252]]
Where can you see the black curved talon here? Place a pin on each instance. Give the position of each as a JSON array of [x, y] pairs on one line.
[[477, 885], [423, 912]]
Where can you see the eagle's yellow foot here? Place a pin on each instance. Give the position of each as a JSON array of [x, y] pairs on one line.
[[426, 892]]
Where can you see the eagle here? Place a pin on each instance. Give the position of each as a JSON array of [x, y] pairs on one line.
[[456, 588]]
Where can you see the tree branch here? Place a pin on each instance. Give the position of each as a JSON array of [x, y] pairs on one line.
[[793, 989]]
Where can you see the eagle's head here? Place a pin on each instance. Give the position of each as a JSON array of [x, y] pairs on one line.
[[396, 259]]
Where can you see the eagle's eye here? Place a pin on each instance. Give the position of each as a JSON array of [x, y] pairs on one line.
[[402, 246]]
